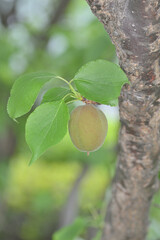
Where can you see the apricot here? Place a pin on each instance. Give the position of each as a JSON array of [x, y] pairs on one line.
[[87, 128]]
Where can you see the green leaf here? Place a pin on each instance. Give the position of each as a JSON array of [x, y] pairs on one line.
[[100, 81], [46, 126], [113, 102], [98, 235], [72, 231], [25, 91], [55, 94]]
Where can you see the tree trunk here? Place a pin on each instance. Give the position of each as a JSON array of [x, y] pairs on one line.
[[134, 28]]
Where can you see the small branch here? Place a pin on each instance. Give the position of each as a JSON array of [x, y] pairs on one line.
[[59, 12], [5, 16], [71, 208], [43, 36]]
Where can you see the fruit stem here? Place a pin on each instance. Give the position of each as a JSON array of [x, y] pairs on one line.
[[71, 101], [77, 95], [63, 80], [71, 81], [68, 94]]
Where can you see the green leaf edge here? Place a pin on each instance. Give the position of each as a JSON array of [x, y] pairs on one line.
[[101, 60], [86, 223], [12, 89], [34, 159], [43, 100]]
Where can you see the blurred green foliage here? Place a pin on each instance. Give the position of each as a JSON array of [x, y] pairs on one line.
[[72, 231], [32, 198]]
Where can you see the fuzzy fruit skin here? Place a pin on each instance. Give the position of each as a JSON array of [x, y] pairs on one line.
[[87, 128]]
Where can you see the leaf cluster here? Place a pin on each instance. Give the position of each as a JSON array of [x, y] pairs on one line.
[[100, 81]]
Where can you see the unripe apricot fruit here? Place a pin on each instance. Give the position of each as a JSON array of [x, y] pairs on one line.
[[87, 128]]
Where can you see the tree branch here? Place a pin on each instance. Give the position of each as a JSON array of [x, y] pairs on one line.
[[59, 11], [134, 27], [11, 13], [71, 208], [43, 36]]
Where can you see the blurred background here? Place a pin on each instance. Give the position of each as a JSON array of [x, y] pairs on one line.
[[63, 185]]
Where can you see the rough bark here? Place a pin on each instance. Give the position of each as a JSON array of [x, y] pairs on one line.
[[134, 28]]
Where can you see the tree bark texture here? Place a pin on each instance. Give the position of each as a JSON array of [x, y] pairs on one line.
[[134, 28]]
